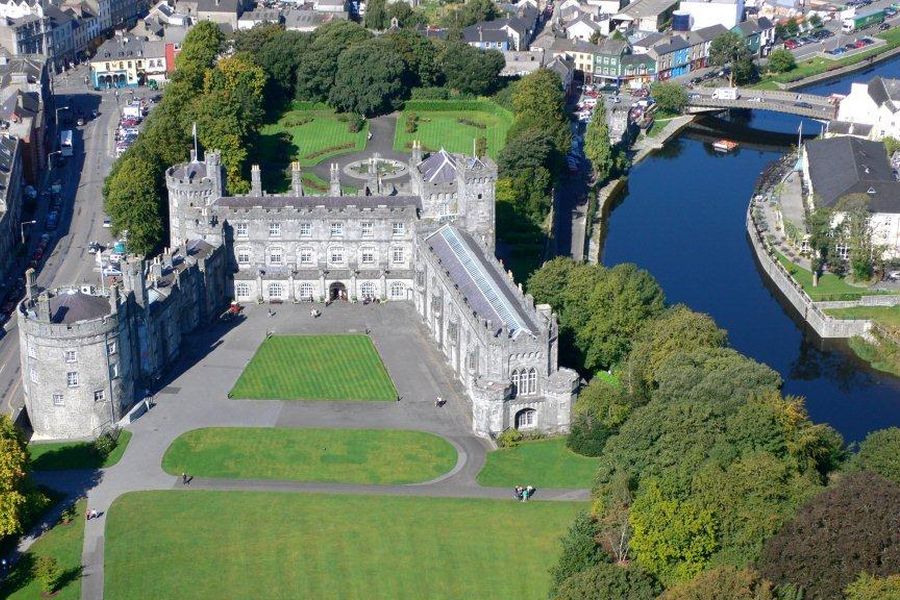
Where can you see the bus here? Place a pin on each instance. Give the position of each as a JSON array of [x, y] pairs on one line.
[[65, 142]]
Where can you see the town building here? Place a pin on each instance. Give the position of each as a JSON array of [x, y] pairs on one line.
[[223, 12], [678, 53], [838, 167], [579, 52], [499, 34], [758, 33], [583, 28], [258, 16], [129, 61], [870, 110], [10, 204], [301, 19], [706, 13], [86, 355], [645, 15], [24, 100], [521, 63]]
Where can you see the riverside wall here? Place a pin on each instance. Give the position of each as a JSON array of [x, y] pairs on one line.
[[824, 325]]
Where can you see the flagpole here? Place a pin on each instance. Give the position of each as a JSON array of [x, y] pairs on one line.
[[194, 133], [800, 135]]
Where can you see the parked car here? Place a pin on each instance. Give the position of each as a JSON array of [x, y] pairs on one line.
[[791, 44], [52, 220], [107, 223], [884, 26]]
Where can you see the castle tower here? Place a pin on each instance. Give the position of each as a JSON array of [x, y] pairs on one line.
[[255, 181], [193, 187], [335, 184], [476, 186]]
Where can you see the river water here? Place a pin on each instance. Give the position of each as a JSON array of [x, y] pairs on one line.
[[682, 218]]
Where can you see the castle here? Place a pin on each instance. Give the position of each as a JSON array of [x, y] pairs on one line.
[[86, 356]]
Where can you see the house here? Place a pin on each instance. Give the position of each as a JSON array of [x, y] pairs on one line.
[[520, 63], [582, 28], [565, 68], [759, 33], [608, 60], [301, 19], [838, 167], [581, 53], [704, 13], [257, 16], [875, 104], [645, 15], [166, 14], [128, 61], [334, 6], [677, 53], [24, 95], [10, 203], [638, 70], [499, 34], [223, 12]]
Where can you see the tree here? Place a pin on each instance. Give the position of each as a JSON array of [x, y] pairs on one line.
[[133, 203], [723, 583], [780, 31], [728, 49], [372, 79], [316, 67], [419, 52], [547, 285], [526, 178], [855, 232], [880, 453], [781, 60], [792, 27], [609, 582], [539, 103], [840, 533], [597, 147], [376, 15], [469, 70], [600, 411], [470, 13], [867, 587], [670, 96], [815, 20], [13, 475], [48, 573], [405, 15], [278, 56], [580, 550], [818, 222], [200, 48]]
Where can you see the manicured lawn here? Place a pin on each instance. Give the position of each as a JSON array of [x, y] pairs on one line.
[[308, 133], [454, 130], [541, 463], [61, 456], [214, 545], [889, 316], [62, 542], [831, 287], [315, 367], [376, 456]]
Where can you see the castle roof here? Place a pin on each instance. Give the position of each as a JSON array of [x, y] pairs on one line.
[[485, 287], [72, 306], [439, 167], [314, 201], [189, 170]]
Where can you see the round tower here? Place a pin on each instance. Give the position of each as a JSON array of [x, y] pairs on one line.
[[193, 187]]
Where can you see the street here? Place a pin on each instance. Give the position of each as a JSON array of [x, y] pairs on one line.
[[81, 219]]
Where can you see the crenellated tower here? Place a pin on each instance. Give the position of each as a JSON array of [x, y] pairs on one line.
[[193, 187]]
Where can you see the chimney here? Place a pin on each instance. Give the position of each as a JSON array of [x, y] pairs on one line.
[[255, 181], [296, 179], [114, 299], [43, 307], [335, 187], [31, 287], [416, 152]]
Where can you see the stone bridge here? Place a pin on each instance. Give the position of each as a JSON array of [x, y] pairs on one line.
[[803, 105]]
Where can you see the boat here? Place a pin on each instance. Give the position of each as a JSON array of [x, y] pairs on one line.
[[724, 145]]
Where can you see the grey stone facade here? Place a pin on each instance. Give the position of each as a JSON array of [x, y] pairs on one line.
[[10, 204]]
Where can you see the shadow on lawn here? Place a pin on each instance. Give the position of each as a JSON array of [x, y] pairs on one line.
[[22, 574]]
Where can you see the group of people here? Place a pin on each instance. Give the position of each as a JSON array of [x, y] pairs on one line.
[[524, 493], [315, 313], [91, 514]]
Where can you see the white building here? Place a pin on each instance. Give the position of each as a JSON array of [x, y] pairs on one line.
[[705, 13], [873, 110]]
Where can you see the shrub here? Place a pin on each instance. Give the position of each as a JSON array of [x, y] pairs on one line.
[[68, 514], [510, 438], [106, 443], [412, 123], [48, 573], [471, 123], [481, 146], [588, 435], [329, 150], [295, 120], [431, 93], [356, 124]]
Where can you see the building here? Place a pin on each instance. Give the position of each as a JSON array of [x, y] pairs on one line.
[[759, 33], [222, 12], [521, 63], [608, 65], [580, 53], [705, 13], [10, 204], [86, 355], [24, 98], [677, 53], [128, 61], [873, 109], [645, 15], [252, 18], [499, 34], [125, 13], [582, 28], [565, 68], [301, 19], [838, 167]]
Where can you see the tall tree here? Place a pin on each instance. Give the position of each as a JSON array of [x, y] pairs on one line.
[[539, 103], [406, 16], [376, 15], [469, 70], [13, 474], [821, 242], [419, 52], [580, 551], [855, 231], [723, 583], [867, 587], [597, 146], [729, 48], [607, 581], [880, 452], [670, 96], [133, 203], [372, 79], [781, 60], [317, 66]]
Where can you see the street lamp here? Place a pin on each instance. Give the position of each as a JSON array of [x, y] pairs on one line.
[[57, 114], [22, 229]]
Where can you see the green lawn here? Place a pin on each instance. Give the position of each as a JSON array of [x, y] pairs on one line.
[[831, 287], [541, 463], [454, 130], [308, 133], [889, 316], [62, 542], [61, 456], [205, 544], [315, 367], [375, 456]]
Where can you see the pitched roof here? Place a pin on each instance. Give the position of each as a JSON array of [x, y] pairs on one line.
[[841, 166], [884, 91], [439, 167], [72, 306], [480, 281]]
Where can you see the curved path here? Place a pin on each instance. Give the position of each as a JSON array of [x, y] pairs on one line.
[[197, 397]]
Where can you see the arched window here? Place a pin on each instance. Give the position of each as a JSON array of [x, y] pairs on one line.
[[367, 290], [398, 290], [526, 418], [306, 291], [514, 379], [275, 290], [242, 290], [532, 381]]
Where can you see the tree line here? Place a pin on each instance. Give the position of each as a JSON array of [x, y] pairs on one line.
[[712, 483]]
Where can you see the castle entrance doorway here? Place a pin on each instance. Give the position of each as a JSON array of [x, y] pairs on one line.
[[337, 291]]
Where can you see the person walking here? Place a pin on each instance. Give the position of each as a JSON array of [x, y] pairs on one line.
[[184, 479]]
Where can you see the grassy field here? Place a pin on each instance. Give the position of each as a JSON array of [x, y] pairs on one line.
[[216, 545], [889, 316], [454, 130], [61, 456], [374, 456], [62, 542], [315, 367], [541, 463], [831, 287], [308, 133]]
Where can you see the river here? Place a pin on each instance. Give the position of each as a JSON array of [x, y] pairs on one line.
[[682, 218]]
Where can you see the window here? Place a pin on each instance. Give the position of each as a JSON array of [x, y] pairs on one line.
[[398, 228], [368, 228], [243, 256], [524, 382], [397, 256], [525, 418], [274, 229], [398, 290], [306, 256], [306, 291], [99, 396], [367, 290], [305, 229], [276, 257], [337, 256], [337, 229], [33, 375], [72, 379], [71, 356], [241, 230], [111, 347], [242, 290], [113, 370], [275, 290], [58, 399], [368, 256], [32, 351]]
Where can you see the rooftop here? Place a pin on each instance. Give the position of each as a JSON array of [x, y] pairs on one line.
[[646, 8], [314, 201], [841, 166], [71, 306]]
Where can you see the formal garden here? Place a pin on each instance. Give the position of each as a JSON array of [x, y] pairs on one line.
[[454, 125], [315, 367], [366, 456], [232, 544]]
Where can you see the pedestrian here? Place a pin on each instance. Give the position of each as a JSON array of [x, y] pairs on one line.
[[517, 492], [94, 514], [530, 491], [87, 515], [184, 479], [398, 397]]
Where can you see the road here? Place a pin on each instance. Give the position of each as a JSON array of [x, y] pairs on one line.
[[82, 213], [839, 39]]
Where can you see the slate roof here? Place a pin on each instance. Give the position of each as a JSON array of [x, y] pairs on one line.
[[847, 128], [313, 201], [479, 280], [478, 33], [71, 306], [841, 166], [189, 170], [218, 6], [439, 167], [883, 90]]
